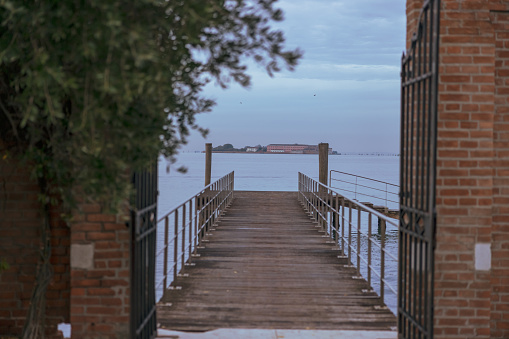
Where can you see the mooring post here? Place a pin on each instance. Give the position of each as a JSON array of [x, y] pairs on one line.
[[323, 163], [382, 225], [205, 197], [208, 163], [323, 159]]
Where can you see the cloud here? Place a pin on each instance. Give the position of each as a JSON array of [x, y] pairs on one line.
[[346, 31], [345, 90]]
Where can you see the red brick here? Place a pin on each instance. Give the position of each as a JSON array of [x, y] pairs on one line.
[[100, 291], [101, 310], [101, 218], [85, 227], [101, 235]]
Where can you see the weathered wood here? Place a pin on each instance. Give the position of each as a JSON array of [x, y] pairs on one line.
[[323, 159], [208, 163], [266, 265]]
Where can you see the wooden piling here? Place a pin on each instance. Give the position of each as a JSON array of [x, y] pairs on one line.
[[382, 226], [323, 159], [208, 163]]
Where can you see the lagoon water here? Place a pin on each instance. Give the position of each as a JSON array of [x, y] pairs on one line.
[[262, 172], [279, 172]]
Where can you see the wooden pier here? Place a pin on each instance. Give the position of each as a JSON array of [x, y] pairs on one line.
[[266, 265]]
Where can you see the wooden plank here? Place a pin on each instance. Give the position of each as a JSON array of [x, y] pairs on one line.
[[267, 265]]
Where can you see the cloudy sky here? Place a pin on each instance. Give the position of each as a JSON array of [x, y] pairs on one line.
[[345, 90]]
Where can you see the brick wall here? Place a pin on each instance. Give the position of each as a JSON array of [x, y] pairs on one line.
[[471, 298], [500, 228], [90, 262], [100, 273], [20, 225], [464, 170], [413, 8]]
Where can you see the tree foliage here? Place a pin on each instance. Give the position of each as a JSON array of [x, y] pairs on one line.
[[90, 90]]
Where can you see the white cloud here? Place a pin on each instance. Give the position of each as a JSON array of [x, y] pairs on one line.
[[345, 90]]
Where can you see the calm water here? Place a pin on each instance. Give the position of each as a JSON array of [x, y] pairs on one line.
[[262, 172], [278, 172]]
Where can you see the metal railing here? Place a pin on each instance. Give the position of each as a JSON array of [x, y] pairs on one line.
[[190, 222], [334, 214], [366, 187]]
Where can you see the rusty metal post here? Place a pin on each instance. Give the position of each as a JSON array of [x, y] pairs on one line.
[[208, 163]]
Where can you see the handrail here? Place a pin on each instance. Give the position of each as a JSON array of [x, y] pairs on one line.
[[193, 218], [392, 197], [333, 213]]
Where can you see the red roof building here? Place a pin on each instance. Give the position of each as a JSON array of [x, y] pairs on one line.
[[294, 148]]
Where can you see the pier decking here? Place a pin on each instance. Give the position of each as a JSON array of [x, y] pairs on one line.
[[267, 265]]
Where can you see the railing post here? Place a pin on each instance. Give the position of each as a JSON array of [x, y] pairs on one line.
[[321, 205], [214, 205], [195, 225], [369, 248], [208, 163], [299, 186], [166, 231], [232, 185], [336, 220], [209, 214], [312, 198], [382, 268], [200, 218], [190, 230], [321, 202], [325, 222], [386, 203], [343, 226], [350, 232], [175, 246], [355, 188], [183, 257], [330, 205], [359, 240]]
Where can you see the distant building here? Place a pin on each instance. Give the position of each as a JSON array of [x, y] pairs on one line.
[[294, 148], [252, 149]]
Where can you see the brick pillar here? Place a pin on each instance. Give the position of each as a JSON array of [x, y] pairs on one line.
[[471, 256], [413, 8], [464, 171], [500, 227], [465, 181], [100, 272]]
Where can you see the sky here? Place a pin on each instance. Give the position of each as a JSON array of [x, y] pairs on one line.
[[345, 90]]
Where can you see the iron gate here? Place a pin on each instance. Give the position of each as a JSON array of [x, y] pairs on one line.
[[419, 76], [143, 255]]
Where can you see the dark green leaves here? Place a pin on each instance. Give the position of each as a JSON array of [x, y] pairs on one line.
[[93, 89]]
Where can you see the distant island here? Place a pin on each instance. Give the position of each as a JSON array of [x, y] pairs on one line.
[[288, 149], [271, 149]]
